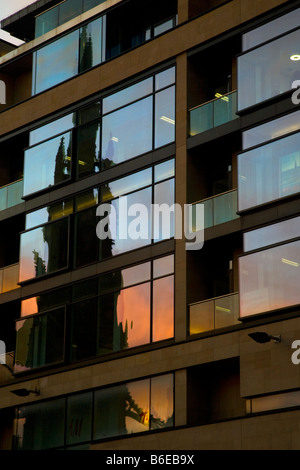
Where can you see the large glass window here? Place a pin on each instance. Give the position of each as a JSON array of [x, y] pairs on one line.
[[272, 234], [271, 29], [90, 47], [82, 418], [130, 122], [31, 432], [127, 132], [128, 217], [268, 70], [40, 340], [130, 311], [56, 62], [134, 407], [269, 172], [44, 249], [271, 130], [269, 279], [47, 164], [79, 418], [113, 312]]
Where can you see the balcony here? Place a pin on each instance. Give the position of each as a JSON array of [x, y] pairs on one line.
[[211, 314], [213, 113], [11, 194], [9, 278], [220, 209]]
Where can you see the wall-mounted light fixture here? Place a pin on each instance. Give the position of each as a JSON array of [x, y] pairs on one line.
[[263, 337], [24, 392]]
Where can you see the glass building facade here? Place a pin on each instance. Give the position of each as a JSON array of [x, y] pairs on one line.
[[116, 334]]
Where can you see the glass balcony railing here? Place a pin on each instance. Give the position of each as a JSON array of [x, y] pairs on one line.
[[213, 113], [211, 314], [60, 14], [11, 194], [9, 278], [219, 209]]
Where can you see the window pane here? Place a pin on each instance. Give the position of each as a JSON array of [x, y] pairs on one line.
[[164, 170], [86, 240], [129, 231], [271, 234], [162, 398], [48, 163], [44, 250], [53, 128], [88, 141], [79, 418], [164, 117], [269, 279], [267, 71], [163, 308], [57, 62], [163, 266], [125, 185], [84, 329], [164, 26], [46, 301], [32, 434], [89, 113], [48, 214], [126, 96], [271, 130], [164, 217], [165, 78], [90, 45], [127, 133], [125, 318], [87, 199], [269, 172], [40, 340], [271, 29], [136, 274], [121, 410]]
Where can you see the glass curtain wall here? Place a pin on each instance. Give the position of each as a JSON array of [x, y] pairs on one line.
[[269, 271], [270, 69], [110, 313], [119, 410], [130, 122], [269, 168]]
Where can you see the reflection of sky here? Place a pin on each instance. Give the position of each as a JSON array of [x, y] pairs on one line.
[[134, 310], [262, 290], [57, 61], [53, 128], [33, 240], [131, 129], [39, 164]]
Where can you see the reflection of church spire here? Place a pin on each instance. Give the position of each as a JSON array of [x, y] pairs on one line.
[[39, 264], [62, 163], [86, 59]]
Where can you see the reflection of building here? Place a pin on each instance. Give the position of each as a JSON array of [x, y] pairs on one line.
[[128, 338]]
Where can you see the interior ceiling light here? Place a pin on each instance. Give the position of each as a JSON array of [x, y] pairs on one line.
[[224, 98], [165, 118], [288, 261], [295, 57]]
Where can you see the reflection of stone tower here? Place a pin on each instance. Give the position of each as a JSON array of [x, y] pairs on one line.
[[86, 144], [62, 162]]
